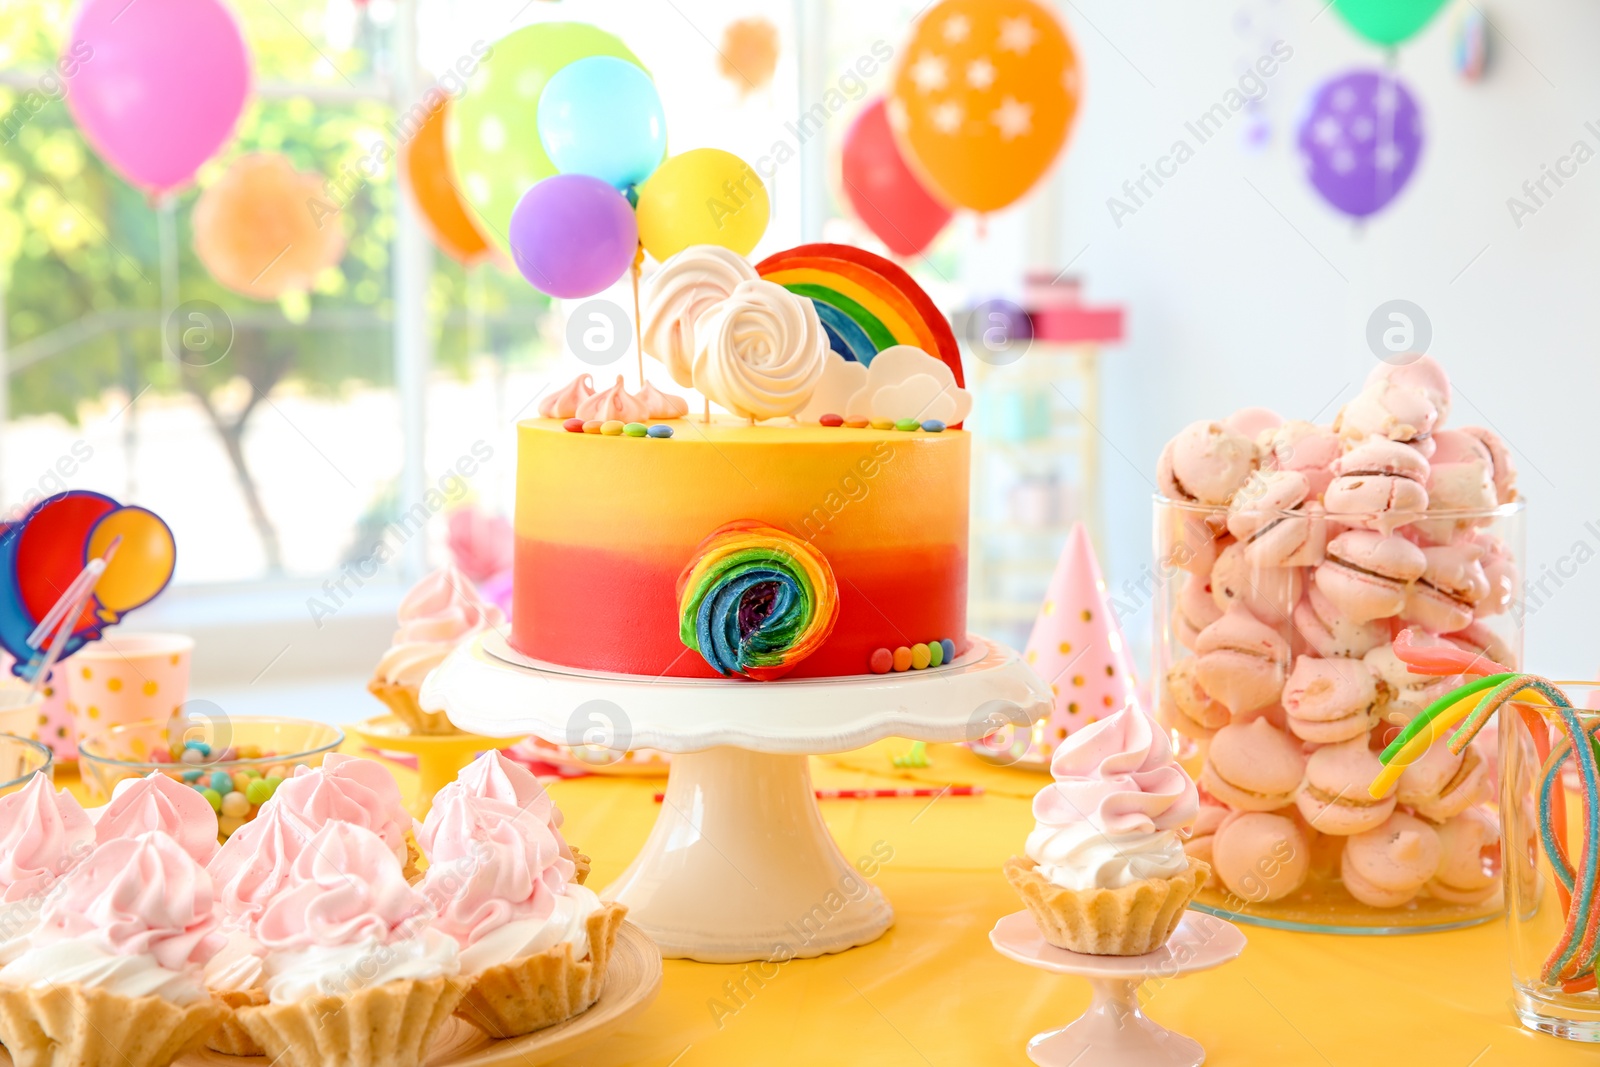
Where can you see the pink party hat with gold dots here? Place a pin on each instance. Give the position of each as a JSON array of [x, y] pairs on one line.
[[1078, 648]]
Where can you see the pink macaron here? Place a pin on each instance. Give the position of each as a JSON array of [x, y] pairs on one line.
[[1469, 859], [1334, 798], [1330, 700], [1268, 592], [1441, 785], [1241, 661], [1387, 866], [1327, 631], [1499, 569], [1460, 479], [1378, 484], [1399, 402], [1306, 448], [1260, 857], [1272, 518], [1253, 766], [1253, 422], [1195, 713], [1442, 599], [1206, 463], [1365, 574]]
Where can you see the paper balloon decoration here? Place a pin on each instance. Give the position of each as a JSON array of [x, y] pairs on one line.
[[264, 228], [1361, 141], [572, 236], [983, 98], [885, 194], [602, 117], [425, 162], [702, 197], [749, 53], [1387, 22], [44, 551], [495, 151], [158, 92]]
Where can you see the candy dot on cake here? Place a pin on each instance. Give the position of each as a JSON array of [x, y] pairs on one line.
[[935, 653], [660, 431], [882, 661], [592, 426], [906, 425], [573, 425], [902, 658], [920, 657], [612, 427], [635, 429], [832, 420], [933, 426], [857, 422]]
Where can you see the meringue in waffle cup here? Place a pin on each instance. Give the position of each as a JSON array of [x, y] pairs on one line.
[[80, 1026], [231, 1038], [531, 992], [388, 1025], [1129, 921], [402, 702]]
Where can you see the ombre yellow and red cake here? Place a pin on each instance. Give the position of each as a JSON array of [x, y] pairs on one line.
[[651, 557]]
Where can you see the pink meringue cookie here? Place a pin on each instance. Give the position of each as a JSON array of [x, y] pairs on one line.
[[1330, 700], [343, 889], [1499, 569], [1387, 866], [1504, 471], [1366, 574], [136, 896], [1276, 521], [1389, 411], [1441, 601], [565, 402], [254, 863], [613, 404], [156, 802], [1469, 859], [1378, 484], [1205, 463], [347, 789], [1195, 609], [1241, 661], [659, 405], [1253, 422], [1269, 592], [43, 834], [1305, 448], [1197, 715], [1423, 374], [1327, 631]]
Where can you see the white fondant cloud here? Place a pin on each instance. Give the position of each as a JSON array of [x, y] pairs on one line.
[[841, 379], [904, 382]]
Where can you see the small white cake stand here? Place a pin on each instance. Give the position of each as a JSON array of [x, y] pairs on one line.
[[1113, 1032], [739, 865]]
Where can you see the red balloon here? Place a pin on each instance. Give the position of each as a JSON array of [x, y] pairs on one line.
[[50, 548], [884, 192]]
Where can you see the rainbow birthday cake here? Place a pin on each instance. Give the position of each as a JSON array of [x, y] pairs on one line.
[[815, 528]]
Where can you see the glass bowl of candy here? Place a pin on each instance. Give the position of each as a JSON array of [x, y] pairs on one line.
[[1280, 668], [236, 763], [20, 759]]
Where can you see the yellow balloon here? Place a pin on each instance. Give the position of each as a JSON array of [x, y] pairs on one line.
[[143, 563], [702, 197]]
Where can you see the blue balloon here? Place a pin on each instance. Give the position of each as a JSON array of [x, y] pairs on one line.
[[602, 117]]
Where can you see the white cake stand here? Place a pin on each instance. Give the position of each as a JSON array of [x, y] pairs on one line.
[[1113, 1032], [739, 865]]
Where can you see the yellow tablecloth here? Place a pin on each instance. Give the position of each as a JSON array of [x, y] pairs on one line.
[[933, 992]]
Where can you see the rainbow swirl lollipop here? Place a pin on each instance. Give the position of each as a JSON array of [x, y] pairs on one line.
[[755, 601]]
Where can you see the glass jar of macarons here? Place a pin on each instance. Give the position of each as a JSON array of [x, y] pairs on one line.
[[1284, 619]]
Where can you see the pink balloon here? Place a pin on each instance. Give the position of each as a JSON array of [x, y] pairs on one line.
[[160, 84]]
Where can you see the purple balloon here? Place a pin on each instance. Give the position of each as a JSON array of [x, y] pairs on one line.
[[1361, 140], [573, 236]]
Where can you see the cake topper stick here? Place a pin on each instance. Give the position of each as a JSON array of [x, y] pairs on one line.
[[638, 316], [65, 611]]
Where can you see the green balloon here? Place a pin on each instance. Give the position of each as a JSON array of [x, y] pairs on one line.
[[1388, 22], [493, 132]]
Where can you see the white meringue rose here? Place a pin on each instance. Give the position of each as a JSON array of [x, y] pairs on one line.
[[761, 352], [687, 285]]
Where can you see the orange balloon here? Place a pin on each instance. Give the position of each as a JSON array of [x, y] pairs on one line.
[[264, 228], [983, 99], [425, 161]]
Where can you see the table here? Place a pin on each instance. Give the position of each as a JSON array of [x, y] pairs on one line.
[[933, 992]]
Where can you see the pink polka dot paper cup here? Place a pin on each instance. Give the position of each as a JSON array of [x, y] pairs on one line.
[[126, 678]]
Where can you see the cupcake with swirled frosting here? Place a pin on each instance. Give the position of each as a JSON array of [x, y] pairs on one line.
[[1105, 872], [440, 613], [43, 835], [354, 790], [112, 975], [534, 942], [687, 286], [761, 352]]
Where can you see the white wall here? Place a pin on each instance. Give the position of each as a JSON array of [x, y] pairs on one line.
[[1236, 296]]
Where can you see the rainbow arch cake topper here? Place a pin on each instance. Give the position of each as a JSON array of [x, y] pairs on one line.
[[755, 601], [865, 302]]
